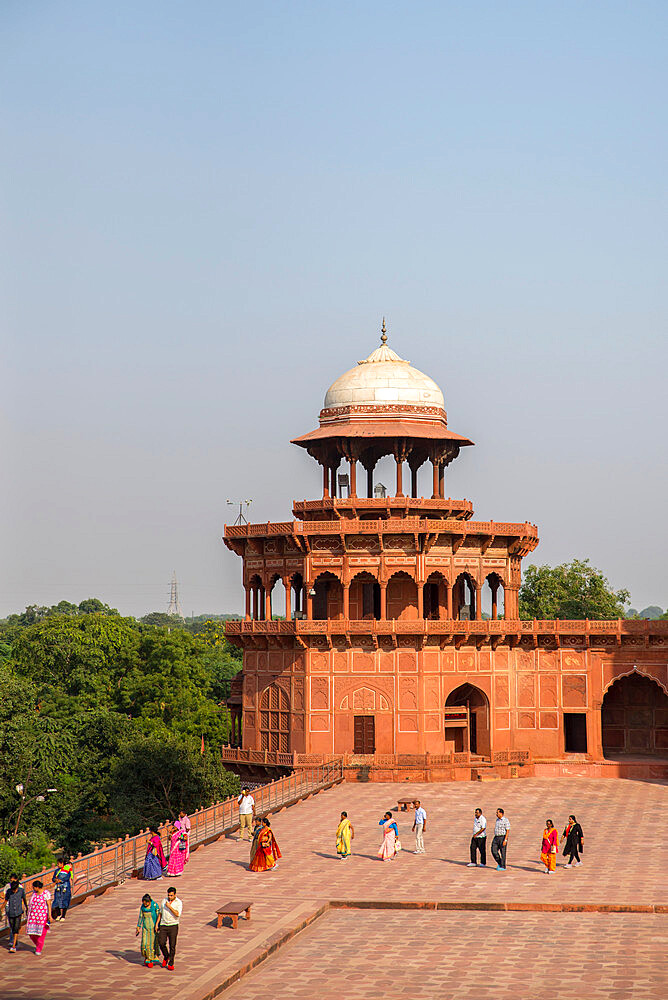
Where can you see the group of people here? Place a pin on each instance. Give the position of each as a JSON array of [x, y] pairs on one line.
[[572, 839], [40, 911], [155, 862], [158, 924], [264, 849]]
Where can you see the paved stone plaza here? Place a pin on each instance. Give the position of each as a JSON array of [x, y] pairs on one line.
[[369, 953]]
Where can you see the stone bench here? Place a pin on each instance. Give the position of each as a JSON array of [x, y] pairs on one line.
[[233, 910], [405, 804]]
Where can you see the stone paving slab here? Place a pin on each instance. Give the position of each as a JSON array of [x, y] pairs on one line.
[[94, 953], [452, 956]]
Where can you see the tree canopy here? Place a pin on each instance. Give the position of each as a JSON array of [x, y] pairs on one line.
[[110, 712], [569, 591]]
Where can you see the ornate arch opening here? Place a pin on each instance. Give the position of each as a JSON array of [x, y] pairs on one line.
[[470, 729], [328, 600], [492, 597], [634, 717], [275, 719], [402, 597], [435, 597], [364, 597], [463, 597], [257, 597]]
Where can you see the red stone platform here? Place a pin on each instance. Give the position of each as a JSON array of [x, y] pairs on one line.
[[94, 953]]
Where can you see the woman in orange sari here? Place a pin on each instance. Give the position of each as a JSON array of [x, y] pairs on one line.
[[548, 852], [266, 851]]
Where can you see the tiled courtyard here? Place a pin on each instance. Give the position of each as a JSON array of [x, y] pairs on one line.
[[355, 953]]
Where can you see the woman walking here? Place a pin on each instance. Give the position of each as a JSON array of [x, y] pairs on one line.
[[265, 855], [39, 915], [177, 849], [344, 835], [185, 826], [147, 926], [62, 894], [548, 853], [155, 860], [15, 905], [388, 849], [574, 841]]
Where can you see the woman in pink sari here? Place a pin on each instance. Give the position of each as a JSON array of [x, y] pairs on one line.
[[177, 849], [38, 920], [388, 849], [185, 826]]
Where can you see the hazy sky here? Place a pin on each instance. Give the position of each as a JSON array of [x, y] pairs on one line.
[[208, 207]]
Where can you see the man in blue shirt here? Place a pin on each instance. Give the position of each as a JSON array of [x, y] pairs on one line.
[[420, 827]]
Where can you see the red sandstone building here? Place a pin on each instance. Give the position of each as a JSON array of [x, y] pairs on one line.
[[399, 632]]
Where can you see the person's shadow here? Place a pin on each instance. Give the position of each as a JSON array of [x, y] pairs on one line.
[[132, 957], [241, 864]]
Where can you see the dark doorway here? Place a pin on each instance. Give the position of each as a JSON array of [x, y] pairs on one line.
[[430, 602], [634, 717], [365, 734], [575, 732], [475, 737]]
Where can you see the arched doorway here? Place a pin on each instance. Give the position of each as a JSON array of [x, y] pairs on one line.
[[274, 719], [634, 717], [471, 733]]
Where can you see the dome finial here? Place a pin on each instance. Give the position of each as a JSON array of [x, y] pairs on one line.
[[383, 334]]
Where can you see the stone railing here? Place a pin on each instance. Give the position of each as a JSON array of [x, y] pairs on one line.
[[501, 627], [395, 525], [104, 868]]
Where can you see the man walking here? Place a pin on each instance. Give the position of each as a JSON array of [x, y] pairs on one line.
[[16, 905], [420, 827], [500, 841], [246, 813], [478, 840], [170, 914]]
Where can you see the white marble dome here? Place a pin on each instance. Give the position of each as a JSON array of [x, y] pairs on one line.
[[384, 379]]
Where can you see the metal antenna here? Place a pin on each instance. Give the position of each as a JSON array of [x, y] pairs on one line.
[[241, 519], [174, 606]]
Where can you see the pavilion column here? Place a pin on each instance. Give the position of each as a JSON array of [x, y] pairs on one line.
[[420, 600], [248, 603], [495, 588], [435, 494], [353, 477], [400, 468], [441, 480], [332, 488], [254, 612], [325, 482], [383, 602], [346, 601], [308, 587], [267, 606], [448, 599], [288, 598], [263, 598]]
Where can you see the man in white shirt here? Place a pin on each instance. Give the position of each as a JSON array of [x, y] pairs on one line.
[[500, 840], [170, 914], [246, 813], [420, 827], [478, 840]]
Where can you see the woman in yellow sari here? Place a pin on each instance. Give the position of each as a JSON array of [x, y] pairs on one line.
[[344, 835], [266, 854]]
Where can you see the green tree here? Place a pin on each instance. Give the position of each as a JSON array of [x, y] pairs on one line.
[[573, 590], [82, 656], [157, 775]]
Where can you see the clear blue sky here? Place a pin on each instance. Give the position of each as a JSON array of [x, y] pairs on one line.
[[206, 210]]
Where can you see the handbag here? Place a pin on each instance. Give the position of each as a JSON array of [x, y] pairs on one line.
[[397, 845]]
